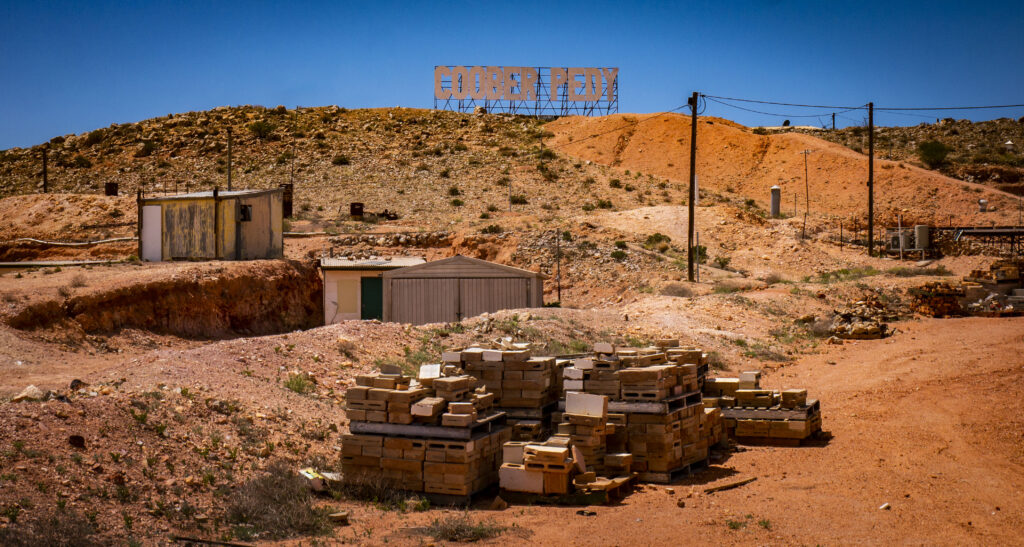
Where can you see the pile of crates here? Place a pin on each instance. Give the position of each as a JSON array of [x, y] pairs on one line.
[[435, 434], [753, 414], [524, 387]]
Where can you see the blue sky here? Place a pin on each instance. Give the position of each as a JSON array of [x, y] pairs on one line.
[[71, 67]]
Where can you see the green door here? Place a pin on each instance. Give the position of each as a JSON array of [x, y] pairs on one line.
[[371, 298]]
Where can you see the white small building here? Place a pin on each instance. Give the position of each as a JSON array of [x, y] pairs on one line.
[[353, 289]]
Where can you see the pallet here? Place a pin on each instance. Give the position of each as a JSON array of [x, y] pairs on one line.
[[529, 413], [816, 438], [807, 412], [668, 477], [660, 407], [581, 497], [486, 424], [450, 500]]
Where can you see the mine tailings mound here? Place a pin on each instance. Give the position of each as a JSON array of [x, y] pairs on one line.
[[254, 298]]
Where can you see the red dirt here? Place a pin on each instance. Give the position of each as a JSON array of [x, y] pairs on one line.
[[730, 156]]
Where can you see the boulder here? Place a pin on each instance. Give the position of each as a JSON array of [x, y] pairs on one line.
[[30, 393]]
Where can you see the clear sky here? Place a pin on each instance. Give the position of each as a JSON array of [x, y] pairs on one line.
[[70, 67]]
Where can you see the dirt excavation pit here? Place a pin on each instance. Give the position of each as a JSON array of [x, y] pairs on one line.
[[225, 301]]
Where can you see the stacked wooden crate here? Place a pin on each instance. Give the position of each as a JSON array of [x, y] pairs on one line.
[[435, 434], [936, 299], [754, 414], [630, 374], [436, 466], [572, 459], [524, 387]]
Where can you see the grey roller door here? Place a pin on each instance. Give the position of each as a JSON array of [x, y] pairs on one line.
[[487, 295], [419, 301]]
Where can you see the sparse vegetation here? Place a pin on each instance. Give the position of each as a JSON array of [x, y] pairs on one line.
[[491, 229], [461, 528], [299, 382], [275, 505], [261, 129], [933, 153], [340, 159]]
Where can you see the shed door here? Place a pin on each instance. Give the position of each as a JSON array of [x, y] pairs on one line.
[[486, 295], [372, 298], [420, 301], [151, 241]]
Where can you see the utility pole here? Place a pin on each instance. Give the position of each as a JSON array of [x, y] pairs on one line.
[[833, 121], [229, 159], [693, 184], [558, 264], [46, 147], [291, 173], [807, 193], [871, 179]]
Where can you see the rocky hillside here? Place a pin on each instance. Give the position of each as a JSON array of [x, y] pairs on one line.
[[431, 167], [978, 152]]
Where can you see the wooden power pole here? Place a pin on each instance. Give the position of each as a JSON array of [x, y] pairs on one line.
[[46, 148], [229, 159], [693, 185], [871, 179]]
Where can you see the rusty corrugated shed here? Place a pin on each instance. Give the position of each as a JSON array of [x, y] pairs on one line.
[[456, 288]]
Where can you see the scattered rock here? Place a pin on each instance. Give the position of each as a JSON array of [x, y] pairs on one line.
[[681, 503], [77, 384], [498, 504], [670, 491], [885, 507], [30, 393], [77, 441], [340, 518]]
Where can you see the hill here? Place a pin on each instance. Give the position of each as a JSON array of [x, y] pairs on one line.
[[733, 160]]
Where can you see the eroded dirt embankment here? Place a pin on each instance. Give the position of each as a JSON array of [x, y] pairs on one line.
[[249, 298]]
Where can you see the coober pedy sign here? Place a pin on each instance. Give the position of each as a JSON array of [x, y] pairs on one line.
[[543, 91]]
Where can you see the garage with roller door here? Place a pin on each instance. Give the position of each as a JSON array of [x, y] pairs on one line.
[[457, 288]]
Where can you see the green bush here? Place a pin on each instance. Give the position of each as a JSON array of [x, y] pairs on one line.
[[454, 191], [615, 183], [620, 244], [261, 129], [619, 255], [492, 229], [933, 153], [518, 199], [457, 202]]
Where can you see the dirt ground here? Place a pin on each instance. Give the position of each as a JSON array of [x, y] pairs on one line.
[[929, 422], [197, 376]]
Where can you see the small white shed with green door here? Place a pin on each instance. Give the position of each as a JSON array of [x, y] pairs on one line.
[[456, 288], [353, 289]]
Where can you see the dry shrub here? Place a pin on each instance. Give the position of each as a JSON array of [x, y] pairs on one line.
[[59, 528], [78, 281], [676, 289], [462, 528], [382, 493], [276, 505], [773, 278]]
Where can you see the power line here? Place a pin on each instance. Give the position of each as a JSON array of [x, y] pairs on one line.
[[956, 107], [765, 113], [848, 108]]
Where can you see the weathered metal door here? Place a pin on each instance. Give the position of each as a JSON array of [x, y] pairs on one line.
[[371, 296], [152, 250]]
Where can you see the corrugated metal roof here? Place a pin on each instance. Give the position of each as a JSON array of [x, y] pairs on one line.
[[370, 264], [209, 194]]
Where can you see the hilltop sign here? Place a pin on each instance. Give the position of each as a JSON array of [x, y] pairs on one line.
[[527, 90]]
